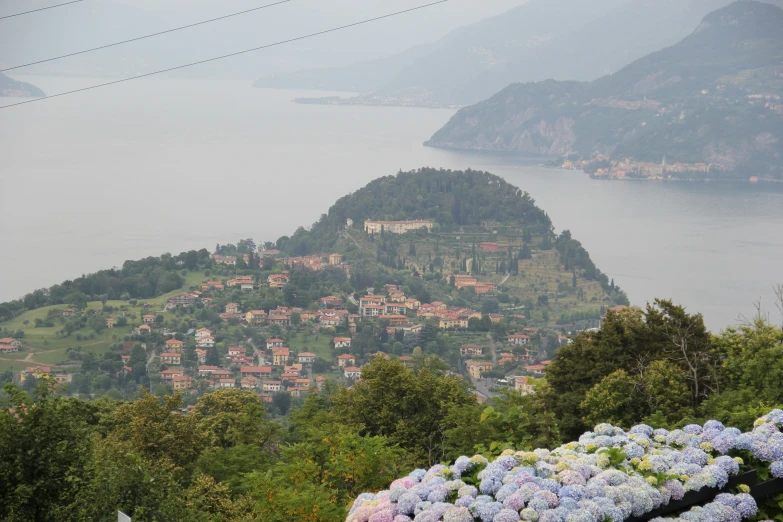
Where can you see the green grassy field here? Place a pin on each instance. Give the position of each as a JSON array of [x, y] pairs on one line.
[[49, 349], [316, 343]]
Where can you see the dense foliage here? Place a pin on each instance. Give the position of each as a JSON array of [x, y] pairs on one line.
[[142, 279], [450, 198]]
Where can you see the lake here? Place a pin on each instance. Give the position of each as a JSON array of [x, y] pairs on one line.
[[158, 165]]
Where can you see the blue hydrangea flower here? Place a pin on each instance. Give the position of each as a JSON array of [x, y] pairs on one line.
[[728, 464], [775, 416], [464, 501], [467, 491], [714, 425], [506, 462], [642, 429], [407, 503], [777, 469], [633, 451], [571, 504], [438, 494], [417, 474], [489, 486], [550, 484], [581, 515], [775, 444], [463, 464], [692, 429], [485, 511], [746, 506], [675, 488], [761, 450], [570, 477], [695, 456], [421, 506], [550, 516], [457, 514]]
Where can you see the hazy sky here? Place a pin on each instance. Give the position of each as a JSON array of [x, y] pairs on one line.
[[96, 22]]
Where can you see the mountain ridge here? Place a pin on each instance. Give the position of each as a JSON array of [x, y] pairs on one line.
[[10, 87], [712, 98]]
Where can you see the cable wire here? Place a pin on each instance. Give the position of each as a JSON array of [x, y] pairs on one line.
[[275, 44], [41, 9], [146, 36]]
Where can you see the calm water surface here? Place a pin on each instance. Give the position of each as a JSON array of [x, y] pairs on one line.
[[90, 180]]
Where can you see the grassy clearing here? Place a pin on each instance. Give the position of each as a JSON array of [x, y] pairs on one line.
[[14, 366], [316, 343], [51, 349]]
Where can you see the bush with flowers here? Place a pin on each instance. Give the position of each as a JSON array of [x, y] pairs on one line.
[[607, 475]]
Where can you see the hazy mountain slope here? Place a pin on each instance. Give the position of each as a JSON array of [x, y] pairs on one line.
[[710, 98], [11, 87], [543, 39]]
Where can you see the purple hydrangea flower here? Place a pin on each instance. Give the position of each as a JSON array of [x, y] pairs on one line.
[[506, 462], [515, 502], [403, 518], [581, 515], [464, 501], [695, 456], [761, 450], [570, 477], [675, 488], [485, 511], [506, 515], [407, 503], [420, 490], [728, 464], [506, 491], [550, 516]]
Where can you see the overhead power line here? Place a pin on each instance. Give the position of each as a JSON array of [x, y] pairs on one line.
[[267, 46], [146, 36], [41, 9]]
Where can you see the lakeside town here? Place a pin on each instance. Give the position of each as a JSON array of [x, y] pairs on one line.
[[215, 335]]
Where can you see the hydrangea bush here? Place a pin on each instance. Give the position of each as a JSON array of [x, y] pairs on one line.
[[608, 474]]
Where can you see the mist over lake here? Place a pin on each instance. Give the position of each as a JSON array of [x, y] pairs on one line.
[[90, 180]]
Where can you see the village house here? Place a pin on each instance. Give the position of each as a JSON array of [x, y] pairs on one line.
[[274, 343], [148, 319], [170, 358], [216, 285], [452, 321], [471, 349], [518, 339], [271, 386], [319, 382], [371, 300], [352, 372], [175, 346], [296, 367], [395, 319], [335, 259], [255, 316], [236, 350], [167, 376], [395, 309], [280, 356], [306, 357], [143, 329], [184, 299], [68, 312], [495, 318], [206, 342], [395, 227], [407, 361], [492, 247], [298, 391], [9, 344], [537, 369], [277, 280], [201, 355], [279, 319], [333, 302], [346, 360], [232, 308], [505, 358], [397, 297], [476, 368], [205, 371], [220, 374], [307, 316], [289, 376], [373, 310], [241, 281], [38, 371], [342, 342], [225, 383], [248, 382], [256, 371], [125, 359], [181, 382], [412, 304], [110, 322], [483, 288], [202, 332], [523, 386]]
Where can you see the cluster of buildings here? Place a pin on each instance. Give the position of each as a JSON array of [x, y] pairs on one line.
[[632, 169], [448, 318]]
